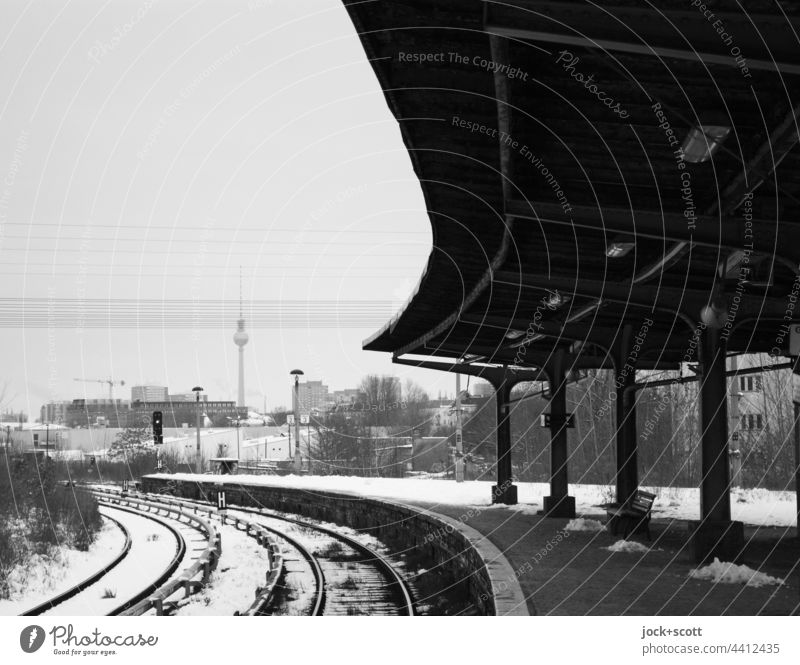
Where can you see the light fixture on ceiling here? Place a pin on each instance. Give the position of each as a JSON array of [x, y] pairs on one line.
[[514, 334], [554, 299], [703, 141], [619, 248]]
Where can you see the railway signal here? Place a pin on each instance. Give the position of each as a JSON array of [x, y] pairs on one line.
[[158, 429], [221, 503]]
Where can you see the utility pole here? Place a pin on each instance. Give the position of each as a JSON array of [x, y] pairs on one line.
[[288, 429], [459, 445], [298, 461], [197, 390], [238, 453]]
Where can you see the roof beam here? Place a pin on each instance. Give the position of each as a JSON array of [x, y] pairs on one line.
[[604, 336], [651, 298], [493, 354], [499, 49], [769, 237], [643, 31], [494, 375], [763, 164]]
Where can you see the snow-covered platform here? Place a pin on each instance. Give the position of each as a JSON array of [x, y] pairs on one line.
[[577, 567]]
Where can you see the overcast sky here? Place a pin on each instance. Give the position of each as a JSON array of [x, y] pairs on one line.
[[150, 148]]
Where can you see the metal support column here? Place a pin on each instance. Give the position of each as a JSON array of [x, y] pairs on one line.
[[627, 478], [505, 491], [559, 503], [797, 464], [715, 535]]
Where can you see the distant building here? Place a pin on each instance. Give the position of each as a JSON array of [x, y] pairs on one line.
[[54, 412], [442, 412], [481, 389], [10, 416], [97, 413], [750, 412], [313, 396], [347, 396], [185, 397], [149, 394], [176, 413]]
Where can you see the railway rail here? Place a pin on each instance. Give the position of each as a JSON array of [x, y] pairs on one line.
[[313, 569], [163, 595], [78, 588], [185, 570], [350, 577]]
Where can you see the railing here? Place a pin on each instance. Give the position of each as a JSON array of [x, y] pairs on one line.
[[205, 564], [208, 560]]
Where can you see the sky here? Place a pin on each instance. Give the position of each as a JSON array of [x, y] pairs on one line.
[[152, 149]]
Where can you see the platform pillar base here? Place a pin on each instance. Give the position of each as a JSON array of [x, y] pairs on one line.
[[561, 506], [506, 494], [721, 539]]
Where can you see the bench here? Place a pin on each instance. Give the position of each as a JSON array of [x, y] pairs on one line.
[[633, 516]]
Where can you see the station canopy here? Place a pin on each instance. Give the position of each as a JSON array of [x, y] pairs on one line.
[[591, 167]]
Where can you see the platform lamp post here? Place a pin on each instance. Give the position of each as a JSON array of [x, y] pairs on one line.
[[197, 390], [298, 462], [238, 450], [459, 456]]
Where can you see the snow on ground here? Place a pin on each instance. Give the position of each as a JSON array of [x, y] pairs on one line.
[[152, 549], [584, 524], [627, 546], [730, 573], [41, 577], [242, 567], [755, 507]]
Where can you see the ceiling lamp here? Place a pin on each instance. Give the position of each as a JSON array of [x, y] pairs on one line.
[[554, 299], [514, 334], [618, 249], [703, 141]]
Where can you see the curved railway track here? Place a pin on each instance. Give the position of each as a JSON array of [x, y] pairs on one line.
[[167, 573], [355, 578], [89, 581], [284, 596], [350, 577], [135, 602]]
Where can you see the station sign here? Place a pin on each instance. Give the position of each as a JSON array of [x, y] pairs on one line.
[[794, 340], [546, 420]]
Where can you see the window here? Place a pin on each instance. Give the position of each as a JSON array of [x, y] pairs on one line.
[[752, 422], [749, 384]]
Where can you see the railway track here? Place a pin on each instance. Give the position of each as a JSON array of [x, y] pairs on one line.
[[318, 570], [180, 578], [352, 578], [109, 591], [164, 545], [349, 577], [166, 574], [76, 589]]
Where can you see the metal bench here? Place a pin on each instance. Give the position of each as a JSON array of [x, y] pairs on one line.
[[633, 516]]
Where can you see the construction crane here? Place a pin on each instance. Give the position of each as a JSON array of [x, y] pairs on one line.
[[111, 383]]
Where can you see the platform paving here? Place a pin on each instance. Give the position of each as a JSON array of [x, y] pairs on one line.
[[570, 573]]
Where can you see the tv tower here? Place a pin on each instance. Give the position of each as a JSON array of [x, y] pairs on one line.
[[240, 338]]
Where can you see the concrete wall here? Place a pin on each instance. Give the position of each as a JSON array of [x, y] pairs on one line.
[[404, 527], [176, 439]]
